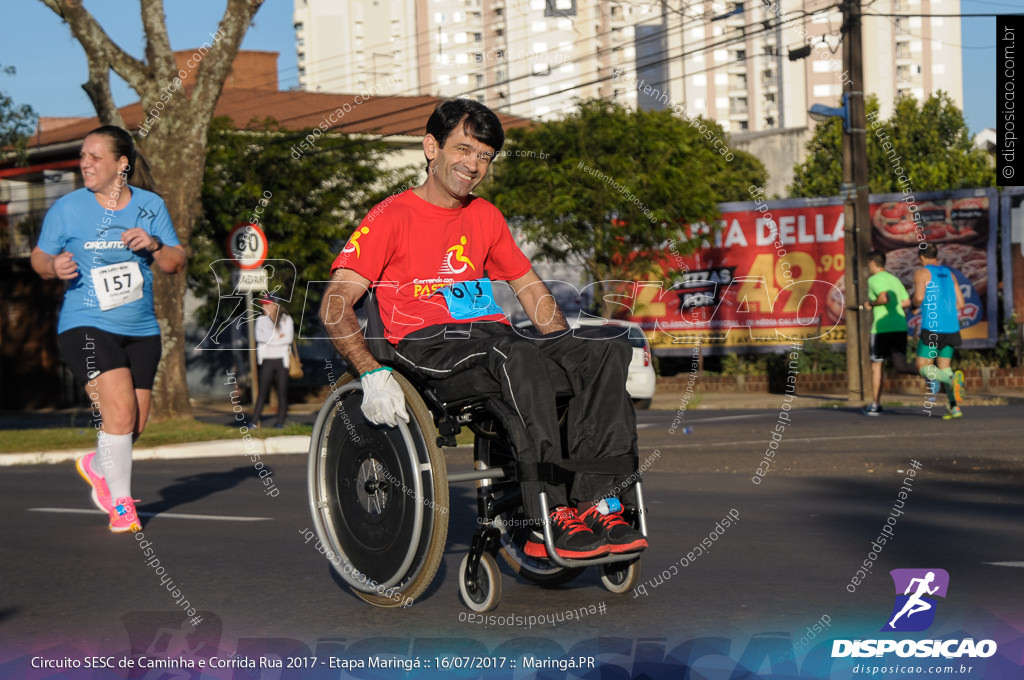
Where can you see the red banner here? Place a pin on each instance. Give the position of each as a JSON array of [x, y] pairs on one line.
[[772, 275], [774, 272]]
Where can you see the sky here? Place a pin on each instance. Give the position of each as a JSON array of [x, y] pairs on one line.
[[51, 66]]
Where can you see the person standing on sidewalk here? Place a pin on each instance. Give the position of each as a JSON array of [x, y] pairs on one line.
[[274, 334], [887, 300], [104, 240], [937, 294]]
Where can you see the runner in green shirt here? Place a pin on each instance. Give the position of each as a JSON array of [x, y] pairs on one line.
[[887, 300]]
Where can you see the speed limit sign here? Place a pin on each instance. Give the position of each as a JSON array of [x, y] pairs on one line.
[[247, 245]]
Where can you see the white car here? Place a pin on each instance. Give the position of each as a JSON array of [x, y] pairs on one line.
[[641, 379]]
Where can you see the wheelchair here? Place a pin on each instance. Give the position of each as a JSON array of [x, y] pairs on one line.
[[379, 495]]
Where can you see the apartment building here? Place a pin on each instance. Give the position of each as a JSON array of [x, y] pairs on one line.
[[729, 61], [532, 58]]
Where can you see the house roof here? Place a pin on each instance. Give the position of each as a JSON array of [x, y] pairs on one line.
[[295, 110]]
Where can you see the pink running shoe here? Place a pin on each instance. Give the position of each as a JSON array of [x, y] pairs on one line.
[[100, 493], [123, 516]]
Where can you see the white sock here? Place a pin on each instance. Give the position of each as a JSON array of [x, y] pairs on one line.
[[94, 464], [114, 453]]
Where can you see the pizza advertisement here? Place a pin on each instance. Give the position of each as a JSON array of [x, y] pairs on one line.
[[962, 224], [774, 272], [772, 275]]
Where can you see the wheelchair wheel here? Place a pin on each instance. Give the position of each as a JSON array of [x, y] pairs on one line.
[[491, 451], [481, 592], [378, 496], [620, 577]]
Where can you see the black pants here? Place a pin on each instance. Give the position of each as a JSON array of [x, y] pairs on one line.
[[272, 370], [600, 422]]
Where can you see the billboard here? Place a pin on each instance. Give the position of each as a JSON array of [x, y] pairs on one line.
[[963, 224], [774, 273]]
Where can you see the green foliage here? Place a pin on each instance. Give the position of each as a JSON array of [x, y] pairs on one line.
[[818, 356], [309, 205], [16, 124], [746, 364], [815, 357], [930, 141], [615, 187], [1008, 352]]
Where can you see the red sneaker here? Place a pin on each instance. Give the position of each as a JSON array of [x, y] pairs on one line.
[[606, 521], [573, 539]]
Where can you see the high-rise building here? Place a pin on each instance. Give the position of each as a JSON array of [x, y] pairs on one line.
[[729, 61], [528, 57]]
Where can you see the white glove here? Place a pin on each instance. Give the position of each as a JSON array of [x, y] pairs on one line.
[[383, 400]]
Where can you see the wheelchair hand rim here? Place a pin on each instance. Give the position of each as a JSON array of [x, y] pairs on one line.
[[318, 501]]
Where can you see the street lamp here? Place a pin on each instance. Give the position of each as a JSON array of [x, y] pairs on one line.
[[820, 112]]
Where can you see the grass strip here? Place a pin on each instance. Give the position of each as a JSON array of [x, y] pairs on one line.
[[175, 431]]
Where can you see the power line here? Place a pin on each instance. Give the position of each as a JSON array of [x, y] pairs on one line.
[[684, 25], [952, 16], [764, 27]]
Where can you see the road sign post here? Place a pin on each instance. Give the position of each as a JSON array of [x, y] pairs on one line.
[[247, 246]]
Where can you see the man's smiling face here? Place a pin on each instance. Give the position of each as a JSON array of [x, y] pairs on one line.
[[457, 167]]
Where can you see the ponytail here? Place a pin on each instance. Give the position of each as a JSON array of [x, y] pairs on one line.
[[140, 175], [121, 143]]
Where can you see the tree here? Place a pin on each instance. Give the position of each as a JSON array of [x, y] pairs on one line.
[[307, 207], [175, 146], [16, 123], [609, 188], [932, 144]]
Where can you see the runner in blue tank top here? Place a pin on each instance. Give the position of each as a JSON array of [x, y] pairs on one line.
[[103, 241], [938, 296]]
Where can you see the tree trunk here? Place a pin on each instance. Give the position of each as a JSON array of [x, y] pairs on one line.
[[179, 180]]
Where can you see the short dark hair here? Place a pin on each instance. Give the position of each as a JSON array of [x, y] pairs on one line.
[[878, 257], [929, 250], [480, 122]]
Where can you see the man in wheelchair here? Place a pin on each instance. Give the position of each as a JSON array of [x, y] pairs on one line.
[[430, 254]]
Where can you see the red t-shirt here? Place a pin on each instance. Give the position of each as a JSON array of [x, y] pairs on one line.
[[413, 248]]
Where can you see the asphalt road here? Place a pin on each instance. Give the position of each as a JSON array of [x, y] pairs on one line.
[[239, 558]]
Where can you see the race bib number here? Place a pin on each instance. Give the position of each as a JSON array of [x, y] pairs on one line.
[[470, 299], [117, 284]]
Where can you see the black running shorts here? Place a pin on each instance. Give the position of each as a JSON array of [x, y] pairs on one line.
[[89, 352], [884, 345]]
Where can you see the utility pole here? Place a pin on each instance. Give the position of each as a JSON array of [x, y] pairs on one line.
[[856, 215]]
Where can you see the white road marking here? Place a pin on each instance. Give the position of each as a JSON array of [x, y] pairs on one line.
[[1006, 564], [684, 423], [791, 439], [168, 515], [743, 417], [894, 435]]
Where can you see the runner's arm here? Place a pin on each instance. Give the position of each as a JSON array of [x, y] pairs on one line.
[[170, 259], [343, 291], [53, 266], [921, 278]]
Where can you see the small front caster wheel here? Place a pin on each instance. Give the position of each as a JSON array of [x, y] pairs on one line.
[[480, 591]]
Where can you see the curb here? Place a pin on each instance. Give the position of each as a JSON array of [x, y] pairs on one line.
[[209, 449]]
